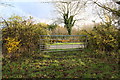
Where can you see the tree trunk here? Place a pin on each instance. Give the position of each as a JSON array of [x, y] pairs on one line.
[[69, 31]]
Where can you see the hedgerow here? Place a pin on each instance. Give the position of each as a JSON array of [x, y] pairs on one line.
[[103, 37], [21, 36]]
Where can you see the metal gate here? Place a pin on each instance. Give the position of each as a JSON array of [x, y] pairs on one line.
[[52, 43]]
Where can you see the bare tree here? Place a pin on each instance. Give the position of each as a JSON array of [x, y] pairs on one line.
[[110, 9], [113, 10], [68, 11]]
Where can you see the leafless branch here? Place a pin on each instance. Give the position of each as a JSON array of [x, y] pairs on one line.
[[115, 12], [73, 8]]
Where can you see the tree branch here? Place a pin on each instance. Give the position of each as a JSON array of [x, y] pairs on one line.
[[115, 12]]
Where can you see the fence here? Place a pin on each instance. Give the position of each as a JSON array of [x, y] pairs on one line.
[[51, 43]]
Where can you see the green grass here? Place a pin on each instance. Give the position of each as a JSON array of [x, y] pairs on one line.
[[65, 43], [70, 49], [75, 64]]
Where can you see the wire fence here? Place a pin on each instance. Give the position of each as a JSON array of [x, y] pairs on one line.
[[52, 43]]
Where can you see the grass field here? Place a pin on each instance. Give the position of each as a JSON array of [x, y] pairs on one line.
[[75, 64], [65, 43], [70, 49]]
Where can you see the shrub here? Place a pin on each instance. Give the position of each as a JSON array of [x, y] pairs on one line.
[[103, 37], [26, 33], [12, 45]]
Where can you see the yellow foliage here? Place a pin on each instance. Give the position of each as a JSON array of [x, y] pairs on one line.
[[27, 33], [12, 45], [103, 37]]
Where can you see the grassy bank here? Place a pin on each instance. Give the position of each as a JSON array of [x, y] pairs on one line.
[[75, 64]]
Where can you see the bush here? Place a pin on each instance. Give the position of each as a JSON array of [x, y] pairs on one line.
[[12, 45], [103, 37], [24, 32]]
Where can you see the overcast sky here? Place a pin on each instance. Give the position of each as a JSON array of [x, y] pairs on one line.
[[43, 12]]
